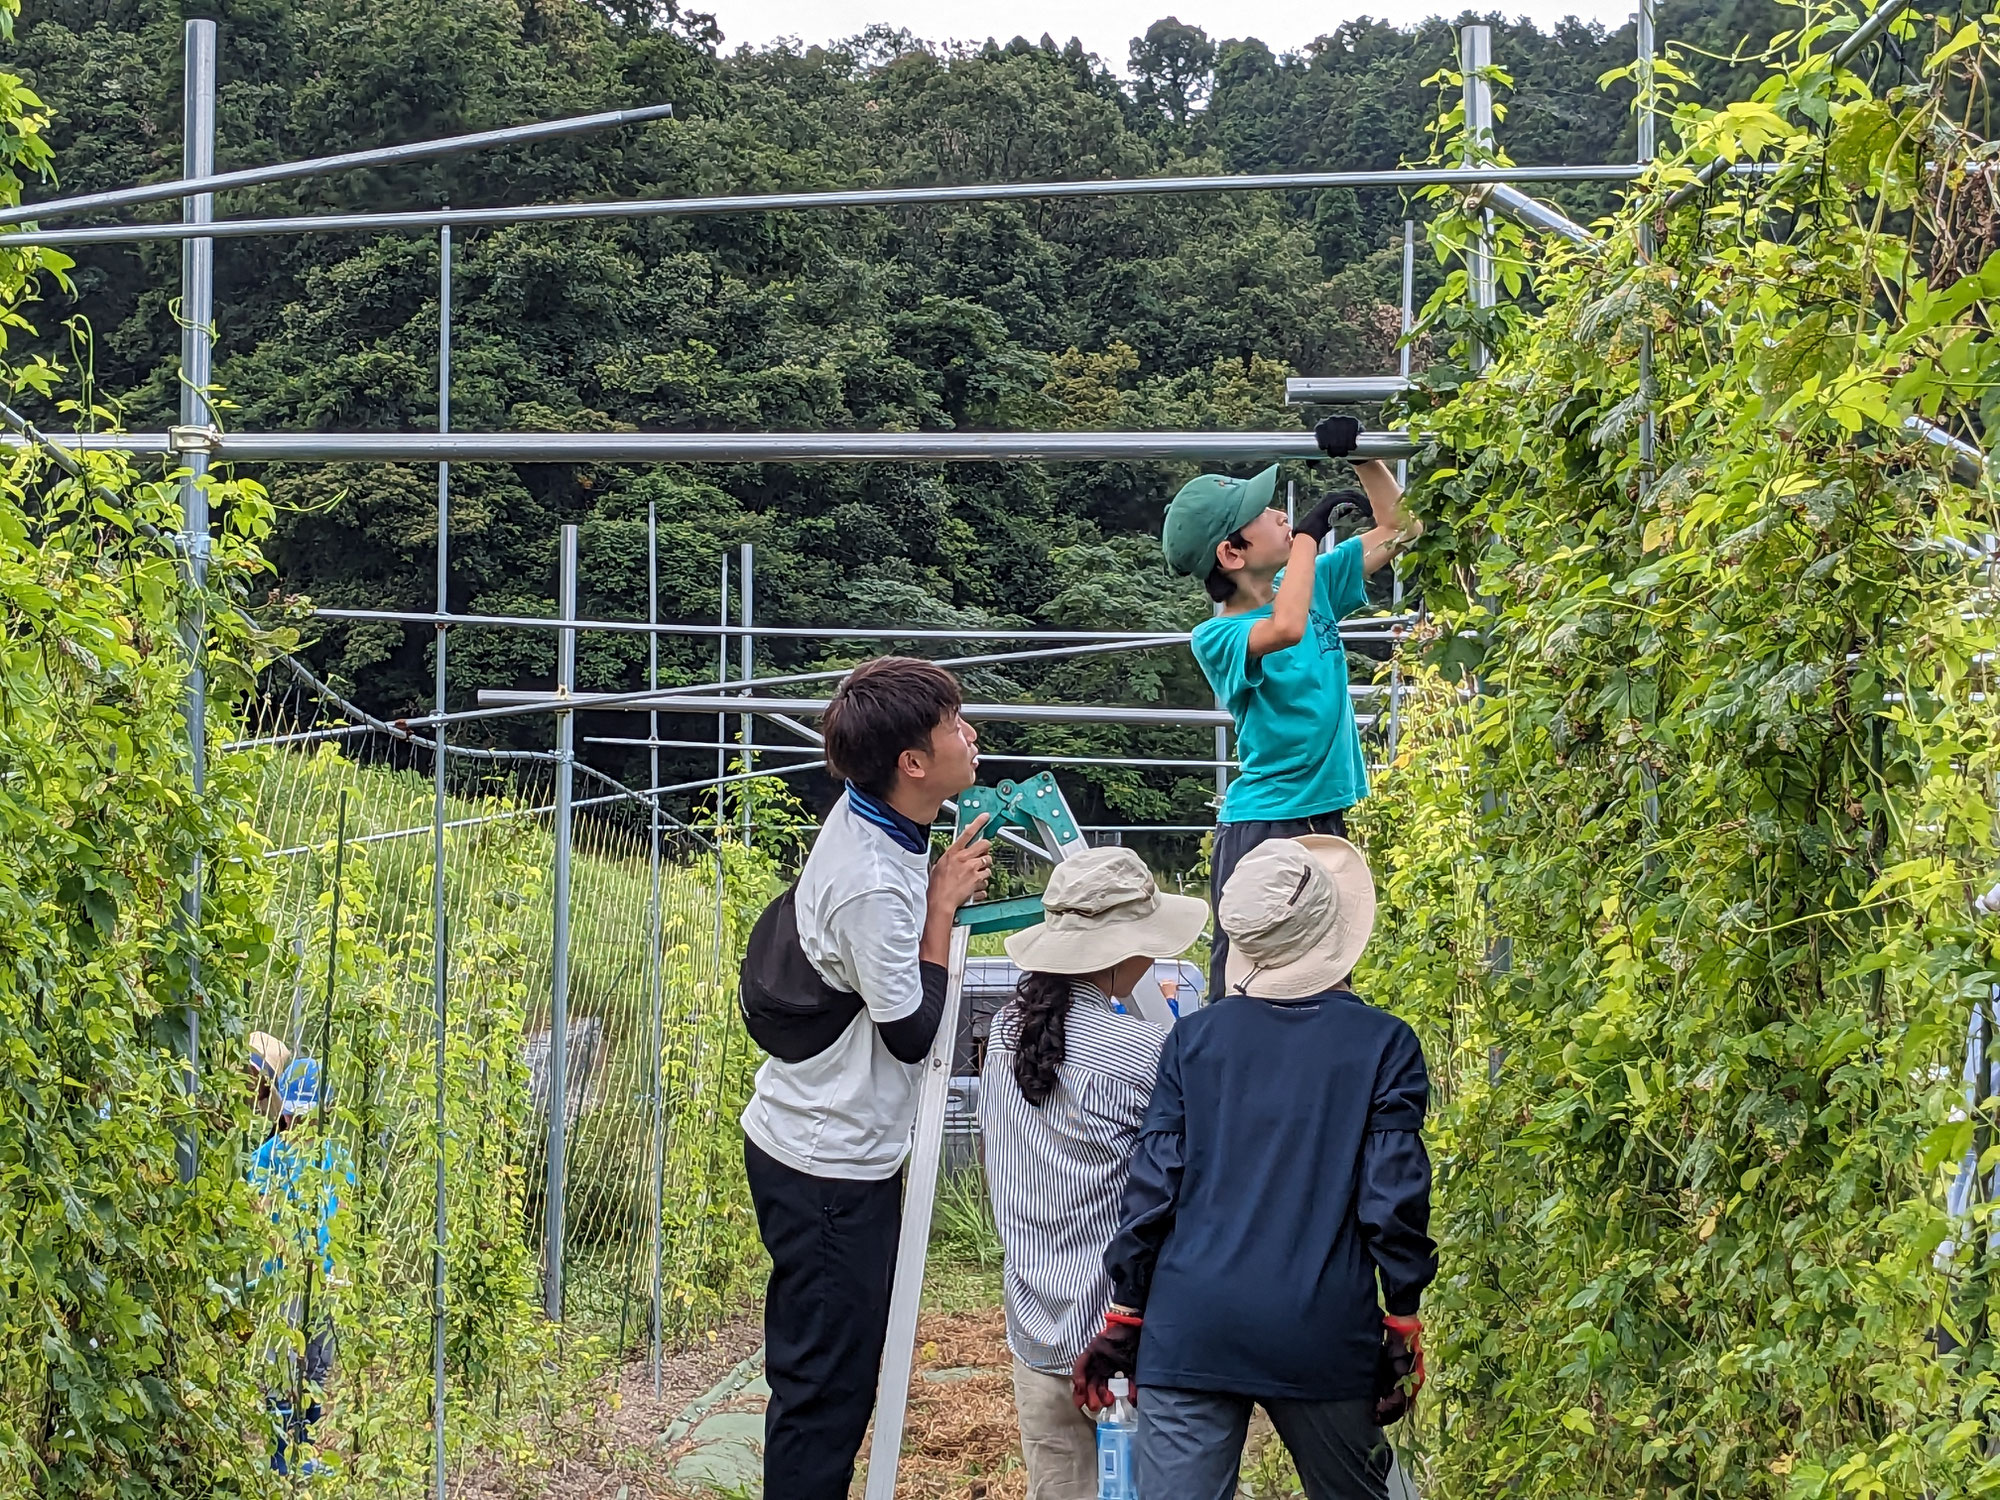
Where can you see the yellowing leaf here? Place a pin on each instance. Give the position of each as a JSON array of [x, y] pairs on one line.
[[1966, 36]]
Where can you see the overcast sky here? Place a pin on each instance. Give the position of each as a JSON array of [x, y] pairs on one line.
[[1106, 27]]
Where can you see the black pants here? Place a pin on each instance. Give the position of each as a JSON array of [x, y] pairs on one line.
[[833, 1257], [1232, 842]]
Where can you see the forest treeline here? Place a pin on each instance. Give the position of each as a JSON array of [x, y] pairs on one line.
[[1149, 312]]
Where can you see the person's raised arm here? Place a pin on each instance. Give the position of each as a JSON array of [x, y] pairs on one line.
[[908, 1029], [959, 876], [1394, 527], [1285, 626]]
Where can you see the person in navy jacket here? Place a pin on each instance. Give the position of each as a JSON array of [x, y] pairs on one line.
[[1274, 1240]]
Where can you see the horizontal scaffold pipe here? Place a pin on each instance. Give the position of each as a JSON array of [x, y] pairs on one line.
[[1332, 390], [1345, 389], [734, 447], [428, 220], [1009, 713], [1360, 627], [327, 166]]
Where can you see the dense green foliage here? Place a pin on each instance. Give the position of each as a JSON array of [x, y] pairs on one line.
[[1680, 898], [1155, 312], [1683, 901], [122, 1304], [510, 1371]]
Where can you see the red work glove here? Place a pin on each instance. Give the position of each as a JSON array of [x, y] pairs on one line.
[[1399, 1368], [1115, 1351]]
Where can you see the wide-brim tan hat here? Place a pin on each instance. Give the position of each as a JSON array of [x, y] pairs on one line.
[[1298, 912], [267, 1062], [1101, 908]]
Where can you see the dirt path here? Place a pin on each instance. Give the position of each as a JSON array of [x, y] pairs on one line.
[[960, 1442], [615, 1450]]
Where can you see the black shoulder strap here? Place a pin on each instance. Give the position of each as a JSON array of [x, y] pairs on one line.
[[790, 1011]]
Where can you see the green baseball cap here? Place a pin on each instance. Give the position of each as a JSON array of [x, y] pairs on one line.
[[1205, 511]]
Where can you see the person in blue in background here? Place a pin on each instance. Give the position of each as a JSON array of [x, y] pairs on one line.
[[306, 1191]]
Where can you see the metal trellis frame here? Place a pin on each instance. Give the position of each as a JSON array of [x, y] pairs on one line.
[[195, 444]]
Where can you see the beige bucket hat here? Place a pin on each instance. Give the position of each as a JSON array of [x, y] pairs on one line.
[[1298, 912], [266, 1063], [1101, 908]]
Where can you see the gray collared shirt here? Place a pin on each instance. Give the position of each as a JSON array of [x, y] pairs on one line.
[[1057, 1171]]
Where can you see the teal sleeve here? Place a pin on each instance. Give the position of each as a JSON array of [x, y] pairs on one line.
[[1221, 648], [1343, 588]]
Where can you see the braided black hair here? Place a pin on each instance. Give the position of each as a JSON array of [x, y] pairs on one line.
[[1042, 1002]]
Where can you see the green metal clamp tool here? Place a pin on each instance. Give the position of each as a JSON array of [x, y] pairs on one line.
[[1035, 806]]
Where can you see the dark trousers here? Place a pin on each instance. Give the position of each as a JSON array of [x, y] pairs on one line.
[[295, 1426], [1190, 1445], [1232, 842], [833, 1256]]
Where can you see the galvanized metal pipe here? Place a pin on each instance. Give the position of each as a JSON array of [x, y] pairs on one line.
[[721, 675], [1644, 101], [1532, 213], [1371, 627], [1408, 326], [761, 447], [424, 220], [558, 1059], [207, 181], [682, 694], [1012, 713], [656, 743], [1358, 390], [197, 319], [1118, 761], [1322, 390], [1475, 53], [440, 935], [746, 569], [653, 957]]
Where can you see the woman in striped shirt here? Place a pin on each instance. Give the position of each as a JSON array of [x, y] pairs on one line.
[[1063, 1091]]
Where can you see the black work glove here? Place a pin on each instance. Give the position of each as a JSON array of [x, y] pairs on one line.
[[1115, 1351], [1336, 436], [1399, 1368], [1318, 521]]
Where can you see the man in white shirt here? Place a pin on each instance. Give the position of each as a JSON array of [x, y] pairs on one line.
[[843, 983]]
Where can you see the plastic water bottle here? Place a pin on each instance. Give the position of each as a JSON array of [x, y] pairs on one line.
[[1116, 1426]]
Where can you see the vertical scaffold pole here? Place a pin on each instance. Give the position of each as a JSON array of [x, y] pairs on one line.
[[722, 720], [746, 595], [653, 946], [197, 350], [1402, 477], [558, 1068], [440, 937], [1221, 754], [1645, 103], [1475, 55]]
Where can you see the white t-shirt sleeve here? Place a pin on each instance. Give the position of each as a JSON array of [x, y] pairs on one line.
[[875, 932]]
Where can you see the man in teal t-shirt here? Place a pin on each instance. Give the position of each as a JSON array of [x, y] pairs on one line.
[[1273, 655]]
